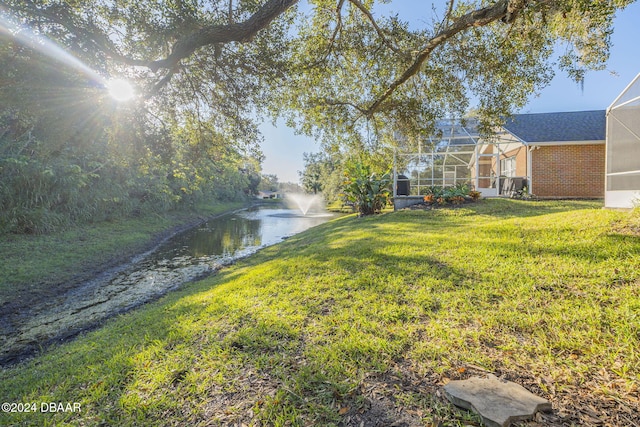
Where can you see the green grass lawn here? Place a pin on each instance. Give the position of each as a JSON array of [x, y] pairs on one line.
[[362, 319]]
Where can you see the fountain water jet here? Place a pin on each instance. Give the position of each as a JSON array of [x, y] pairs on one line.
[[304, 202]]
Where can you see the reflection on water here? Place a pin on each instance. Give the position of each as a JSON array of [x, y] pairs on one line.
[[219, 238], [239, 234], [188, 256]]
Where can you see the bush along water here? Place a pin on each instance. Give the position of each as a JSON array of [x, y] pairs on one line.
[[52, 180]]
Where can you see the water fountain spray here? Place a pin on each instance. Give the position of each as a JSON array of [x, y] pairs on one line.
[[304, 202]]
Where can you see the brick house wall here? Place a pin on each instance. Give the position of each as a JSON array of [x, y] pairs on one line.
[[568, 171]]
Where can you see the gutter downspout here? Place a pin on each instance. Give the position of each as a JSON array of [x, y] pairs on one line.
[[477, 171], [529, 167], [395, 177], [606, 153]]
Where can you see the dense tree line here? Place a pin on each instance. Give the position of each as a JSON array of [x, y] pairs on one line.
[[69, 153]]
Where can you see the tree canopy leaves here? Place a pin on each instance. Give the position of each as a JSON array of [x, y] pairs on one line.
[[336, 62]]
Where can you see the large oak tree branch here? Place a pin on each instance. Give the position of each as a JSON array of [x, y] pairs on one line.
[[373, 22], [503, 9], [215, 34], [506, 10]]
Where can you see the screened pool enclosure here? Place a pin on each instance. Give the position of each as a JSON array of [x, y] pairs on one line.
[[623, 149], [454, 154]]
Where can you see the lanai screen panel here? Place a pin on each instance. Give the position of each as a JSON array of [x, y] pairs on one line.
[[444, 159], [623, 141]]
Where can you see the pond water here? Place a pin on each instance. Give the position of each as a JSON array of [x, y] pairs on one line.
[[185, 257], [237, 235]]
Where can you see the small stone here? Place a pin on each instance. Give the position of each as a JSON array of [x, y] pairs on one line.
[[498, 402]]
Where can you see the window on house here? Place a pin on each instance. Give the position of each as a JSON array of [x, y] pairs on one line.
[[508, 166]]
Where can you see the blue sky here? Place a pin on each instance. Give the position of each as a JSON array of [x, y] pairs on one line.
[[283, 148]]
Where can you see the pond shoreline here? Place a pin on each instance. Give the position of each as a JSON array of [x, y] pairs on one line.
[[172, 258], [20, 309]]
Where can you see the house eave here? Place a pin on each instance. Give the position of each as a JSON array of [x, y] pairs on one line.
[[554, 143]]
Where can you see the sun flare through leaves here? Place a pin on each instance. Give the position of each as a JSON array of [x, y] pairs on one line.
[[120, 90]]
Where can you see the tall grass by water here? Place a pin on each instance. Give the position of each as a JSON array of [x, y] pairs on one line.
[[368, 317]]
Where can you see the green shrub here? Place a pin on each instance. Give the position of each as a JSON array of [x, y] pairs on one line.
[[434, 191], [456, 194], [368, 192]]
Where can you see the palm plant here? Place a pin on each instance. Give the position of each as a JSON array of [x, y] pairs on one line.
[[365, 189]]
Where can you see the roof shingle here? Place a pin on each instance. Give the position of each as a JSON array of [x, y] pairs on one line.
[[559, 127]]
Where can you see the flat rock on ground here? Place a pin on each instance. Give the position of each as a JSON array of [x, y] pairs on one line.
[[498, 402]]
